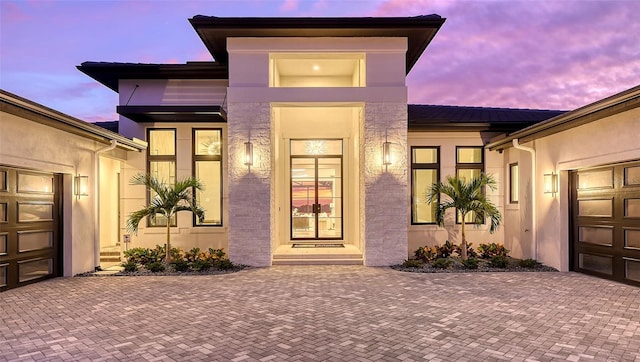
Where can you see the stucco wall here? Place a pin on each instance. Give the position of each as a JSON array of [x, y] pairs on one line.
[[608, 140], [27, 144], [431, 235], [185, 235]]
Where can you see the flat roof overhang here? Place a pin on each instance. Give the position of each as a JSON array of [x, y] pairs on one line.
[[419, 30], [615, 104], [110, 74], [144, 114]]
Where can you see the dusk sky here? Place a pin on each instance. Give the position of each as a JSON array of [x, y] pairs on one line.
[[523, 54]]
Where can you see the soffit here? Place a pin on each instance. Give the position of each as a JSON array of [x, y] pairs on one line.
[[418, 30], [173, 113]]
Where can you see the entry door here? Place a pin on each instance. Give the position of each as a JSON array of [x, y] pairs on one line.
[[316, 190], [606, 222]]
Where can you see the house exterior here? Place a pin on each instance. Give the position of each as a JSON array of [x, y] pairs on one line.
[[309, 153]]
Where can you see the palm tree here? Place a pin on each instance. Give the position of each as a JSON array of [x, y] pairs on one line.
[[167, 201], [466, 197]]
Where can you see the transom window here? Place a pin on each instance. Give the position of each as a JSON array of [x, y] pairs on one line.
[[425, 171], [317, 70]]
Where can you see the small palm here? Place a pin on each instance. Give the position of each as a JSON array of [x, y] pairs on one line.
[[168, 200], [466, 197]]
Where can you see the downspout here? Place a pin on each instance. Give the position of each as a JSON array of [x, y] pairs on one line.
[[96, 203], [534, 213]]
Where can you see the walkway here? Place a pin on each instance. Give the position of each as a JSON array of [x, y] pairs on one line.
[[323, 313]]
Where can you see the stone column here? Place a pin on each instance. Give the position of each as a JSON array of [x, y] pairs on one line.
[[249, 186], [384, 223]]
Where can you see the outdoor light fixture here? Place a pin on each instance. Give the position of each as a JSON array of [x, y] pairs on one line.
[[81, 184], [551, 183], [386, 153], [248, 154]]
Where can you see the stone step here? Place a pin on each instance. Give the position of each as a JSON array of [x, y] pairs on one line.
[[308, 261]]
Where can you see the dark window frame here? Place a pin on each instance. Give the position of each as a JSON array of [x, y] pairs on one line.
[[469, 166], [204, 158], [511, 200], [161, 158], [423, 166]]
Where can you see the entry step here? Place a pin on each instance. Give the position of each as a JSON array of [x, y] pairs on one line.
[[316, 261]]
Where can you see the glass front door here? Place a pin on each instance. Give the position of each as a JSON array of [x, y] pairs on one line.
[[316, 190]]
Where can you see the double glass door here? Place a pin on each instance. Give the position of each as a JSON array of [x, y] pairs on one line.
[[316, 190]]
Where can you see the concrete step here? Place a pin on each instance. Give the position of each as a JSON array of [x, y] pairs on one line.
[[317, 256], [109, 253], [315, 261], [110, 259]]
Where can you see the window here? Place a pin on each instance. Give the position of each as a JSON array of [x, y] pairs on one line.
[[207, 168], [514, 180], [425, 171], [161, 158], [469, 164], [317, 70]]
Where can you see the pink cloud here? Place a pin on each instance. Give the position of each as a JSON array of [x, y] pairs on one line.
[[289, 5]]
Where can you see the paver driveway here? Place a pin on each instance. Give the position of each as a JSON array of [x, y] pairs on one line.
[[333, 313]]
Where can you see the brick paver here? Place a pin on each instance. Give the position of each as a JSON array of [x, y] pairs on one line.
[[323, 313]]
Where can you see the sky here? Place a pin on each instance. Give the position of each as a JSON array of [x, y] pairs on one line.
[[538, 54]]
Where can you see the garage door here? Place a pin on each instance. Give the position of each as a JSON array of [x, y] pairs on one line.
[[606, 222], [29, 227]]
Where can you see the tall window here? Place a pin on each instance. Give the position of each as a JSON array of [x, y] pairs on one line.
[[425, 171], [514, 179], [207, 167], [161, 158], [469, 164]]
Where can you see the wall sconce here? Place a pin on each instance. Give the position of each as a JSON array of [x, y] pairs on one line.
[[386, 153], [551, 183], [81, 184], [248, 154]]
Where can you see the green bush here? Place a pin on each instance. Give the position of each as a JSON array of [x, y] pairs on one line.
[[488, 251], [155, 267], [442, 263], [528, 263], [471, 263], [471, 252], [499, 261], [200, 265], [129, 266], [224, 264], [137, 256], [413, 263], [180, 265]]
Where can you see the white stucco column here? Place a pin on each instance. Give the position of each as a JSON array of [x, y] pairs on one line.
[[249, 186], [386, 204]]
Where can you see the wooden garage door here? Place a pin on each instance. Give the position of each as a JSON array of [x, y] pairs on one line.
[[606, 222], [29, 227]]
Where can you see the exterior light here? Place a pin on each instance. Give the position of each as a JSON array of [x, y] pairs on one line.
[[386, 153], [81, 186], [551, 183], [248, 154]]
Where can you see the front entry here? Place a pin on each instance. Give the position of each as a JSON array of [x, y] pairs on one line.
[[316, 206]]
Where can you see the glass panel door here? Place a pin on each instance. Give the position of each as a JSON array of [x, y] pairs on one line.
[[316, 190]]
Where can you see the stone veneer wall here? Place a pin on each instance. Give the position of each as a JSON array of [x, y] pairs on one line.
[[386, 204], [250, 187]]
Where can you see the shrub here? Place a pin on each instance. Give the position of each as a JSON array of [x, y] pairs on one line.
[[200, 265], [224, 264], [413, 263], [499, 261], [129, 266], [488, 251], [445, 250], [471, 252], [442, 263], [192, 255], [155, 267], [180, 265], [137, 256], [471, 263], [528, 263]]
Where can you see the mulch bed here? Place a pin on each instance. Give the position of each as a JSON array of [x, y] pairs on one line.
[[483, 266], [168, 271]]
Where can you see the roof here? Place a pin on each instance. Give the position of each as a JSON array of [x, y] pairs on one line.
[[110, 73], [22, 107], [419, 30], [441, 118], [113, 126], [617, 103]]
